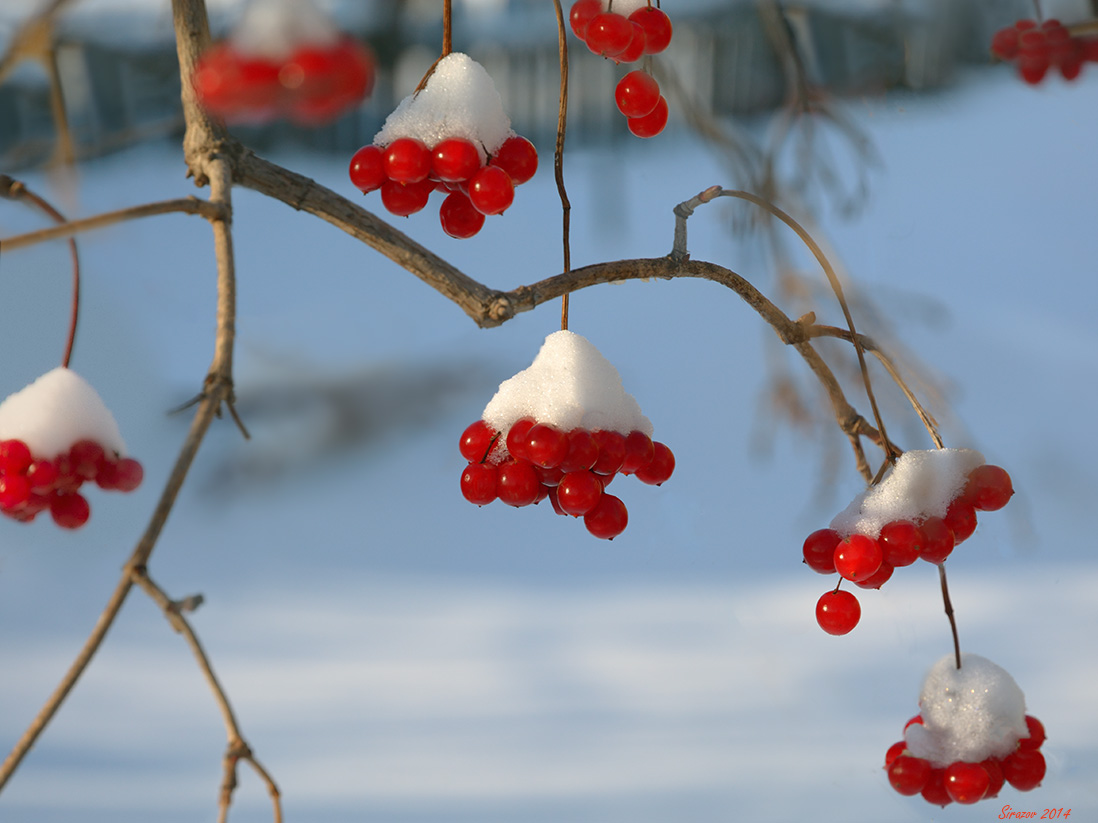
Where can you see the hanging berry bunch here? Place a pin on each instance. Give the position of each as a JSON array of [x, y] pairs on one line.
[[55, 435], [564, 429], [922, 509], [625, 31], [1037, 47], [286, 59], [971, 736], [452, 135]]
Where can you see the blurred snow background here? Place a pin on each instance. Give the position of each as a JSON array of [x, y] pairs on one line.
[[395, 654]]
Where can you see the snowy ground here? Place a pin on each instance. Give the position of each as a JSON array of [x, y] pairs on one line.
[[396, 654]]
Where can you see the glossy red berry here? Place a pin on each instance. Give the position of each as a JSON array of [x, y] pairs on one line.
[[367, 170], [42, 474], [516, 437], [988, 488], [581, 13], [458, 216], [579, 492], [857, 557], [15, 457], [651, 124], [935, 791], [455, 160], [519, 484], [996, 780], [1024, 769], [901, 542], [637, 94], [583, 451], [657, 28], [406, 160], [608, 518], [125, 475], [878, 578], [480, 483], [476, 441], [611, 451], [608, 34], [938, 540], [635, 50], [403, 199], [894, 751], [961, 519], [69, 511], [639, 452], [518, 157], [546, 445], [819, 550], [491, 190], [908, 775], [85, 457], [838, 612], [660, 468], [966, 783], [15, 490], [1036, 734]]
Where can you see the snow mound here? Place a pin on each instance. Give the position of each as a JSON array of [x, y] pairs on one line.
[[276, 28], [459, 100], [920, 485], [55, 411], [969, 714], [569, 384]]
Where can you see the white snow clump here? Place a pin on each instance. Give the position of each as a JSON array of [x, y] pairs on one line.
[[276, 28], [569, 384], [920, 485], [459, 100], [55, 411], [969, 714]]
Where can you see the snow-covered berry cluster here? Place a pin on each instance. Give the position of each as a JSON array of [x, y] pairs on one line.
[[564, 429], [1037, 47], [624, 31], [286, 59], [453, 136], [922, 509], [970, 737], [56, 435]]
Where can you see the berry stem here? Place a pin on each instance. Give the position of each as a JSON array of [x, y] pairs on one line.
[[949, 612], [558, 155], [447, 45], [15, 190]]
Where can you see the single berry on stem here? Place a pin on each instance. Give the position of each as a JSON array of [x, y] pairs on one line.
[[579, 492], [476, 441], [908, 775], [407, 160], [819, 550], [639, 452], [491, 190], [480, 483], [608, 34], [966, 783], [660, 468], [637, 94], [516, 437], [458, 217], [657, 28], [651, 124], [857, 557], [403, 199], [367, 169], [901, 542], [938, 540], [454, 160], [608, 518], [838, 612], [518, 483], [988, 488], [518, 157]]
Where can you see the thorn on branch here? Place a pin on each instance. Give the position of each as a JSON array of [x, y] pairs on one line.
[[190, 603]]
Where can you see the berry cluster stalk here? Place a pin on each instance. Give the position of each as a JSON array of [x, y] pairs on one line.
[[558, 156]]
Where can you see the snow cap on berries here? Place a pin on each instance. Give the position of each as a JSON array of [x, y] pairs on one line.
[[55, 411], [276, 28], [569, 384], [459, 100], [969, 714], [921, 484]]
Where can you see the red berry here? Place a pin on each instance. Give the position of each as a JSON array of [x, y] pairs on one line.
[[367, 169], [518, 157], [857, 557], [819, 550], [15, 490], [1004, 43], [660, 468], [900, 542], [516, 437], [635, 50], [938, 540], [1036, 734], [1033, 69], [480, 483], [639, 452], [42, 474], [608, 34], [637, 94], [651, 124], [403, 199], [579, 492], [611, 452], [406, 160], [581, 14], [491, 190], [85, 457], [455, 160], [583, 451], [518, 483], [657, 28], [988, 488], [546, 445], [995, 774], [894, 751], [878, 578], [961, 519], [838, 612], [966, 783], [476, 441], [458, 216], [69, 511], [916, 720], [1024, 769], [935, 791], [608, 518], [908, 775], [15, 457], [122, 475]]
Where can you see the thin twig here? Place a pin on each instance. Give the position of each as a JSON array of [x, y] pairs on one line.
[[558, 154], [949, 613]]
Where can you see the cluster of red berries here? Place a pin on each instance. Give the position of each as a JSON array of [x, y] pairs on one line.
[[29, 485], [571, 468], [1038, 47], [963, 782], [869, 561], [407, 171], [314, 85], [622, 39]]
